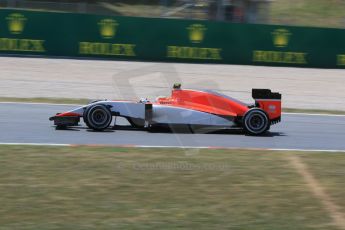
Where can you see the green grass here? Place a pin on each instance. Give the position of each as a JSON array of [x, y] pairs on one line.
[[329, 172], [142, 10], [82, 101], [129, 188], [320, 13]]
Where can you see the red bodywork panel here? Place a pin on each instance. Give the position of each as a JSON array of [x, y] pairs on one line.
[[271, 107], [68, 114], [218, 104], [205, 102]]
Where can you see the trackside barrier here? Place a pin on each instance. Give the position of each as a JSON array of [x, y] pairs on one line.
[[133, 38]]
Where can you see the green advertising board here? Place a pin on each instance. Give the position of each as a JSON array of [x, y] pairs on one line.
[[151, 39]]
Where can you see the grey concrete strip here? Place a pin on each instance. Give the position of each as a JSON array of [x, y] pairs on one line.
[[39, 77], [22, 123]]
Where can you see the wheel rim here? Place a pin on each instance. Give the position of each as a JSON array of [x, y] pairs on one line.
[[256, 122], [99, 117]]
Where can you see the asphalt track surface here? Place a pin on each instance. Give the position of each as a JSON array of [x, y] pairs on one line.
[[28, 123]]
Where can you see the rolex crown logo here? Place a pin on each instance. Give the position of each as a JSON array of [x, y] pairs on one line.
[[108, 28], [16, 23], [281, 37], [196, 33]]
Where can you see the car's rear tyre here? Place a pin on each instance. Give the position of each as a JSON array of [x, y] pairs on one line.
[[256, 122], [97, 117]]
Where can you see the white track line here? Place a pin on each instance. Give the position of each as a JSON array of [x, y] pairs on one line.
[[36, 144], [176, 147], [58, 104], [317, 114], [38, 103]]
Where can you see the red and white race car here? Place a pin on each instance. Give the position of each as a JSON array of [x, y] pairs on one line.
[[187, 107]]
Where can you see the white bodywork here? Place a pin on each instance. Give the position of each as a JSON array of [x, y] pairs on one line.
[[164, 114], [161, 114]]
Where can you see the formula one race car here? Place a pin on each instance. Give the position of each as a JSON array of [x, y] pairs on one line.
[[184, 107]]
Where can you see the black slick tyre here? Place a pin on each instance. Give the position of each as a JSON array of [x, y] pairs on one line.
[[97, 117], [256, 122]]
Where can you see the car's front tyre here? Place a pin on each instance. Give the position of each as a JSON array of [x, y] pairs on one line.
[[256, 122], [97, 117]]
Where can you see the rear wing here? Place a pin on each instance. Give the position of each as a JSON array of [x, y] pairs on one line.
[[270, 102], [265, 94]]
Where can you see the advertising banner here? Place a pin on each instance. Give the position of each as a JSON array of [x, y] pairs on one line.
[[168, 40]]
